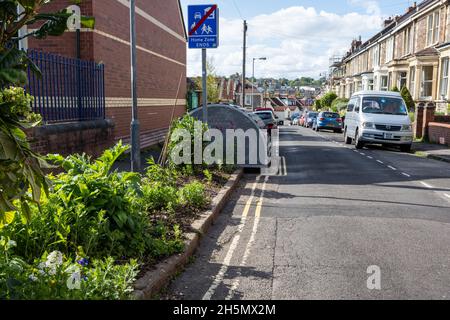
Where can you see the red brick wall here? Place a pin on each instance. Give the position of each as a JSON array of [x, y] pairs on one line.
[[89, 137], [439, 133], [157, 77]]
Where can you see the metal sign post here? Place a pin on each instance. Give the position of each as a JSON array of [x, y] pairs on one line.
[[135, 135], [203, 34]]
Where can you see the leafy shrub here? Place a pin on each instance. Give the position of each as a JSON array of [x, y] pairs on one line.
[[158, 196], [408, 99], [193, 196], [328, 99], [56, 277], [339, 105], [90, 207]]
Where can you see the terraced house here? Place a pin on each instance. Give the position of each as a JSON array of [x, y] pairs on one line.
[[412, 50]]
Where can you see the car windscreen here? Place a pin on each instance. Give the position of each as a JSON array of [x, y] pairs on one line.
[[330, 115], [384, 105], [265, 115], [312, 115]]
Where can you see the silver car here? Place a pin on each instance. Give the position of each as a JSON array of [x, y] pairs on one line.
[[378, 117]]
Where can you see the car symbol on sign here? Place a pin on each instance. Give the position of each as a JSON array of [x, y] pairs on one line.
[[198, 16]]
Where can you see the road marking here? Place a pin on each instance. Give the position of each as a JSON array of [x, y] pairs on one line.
[[406, 175], [447, 195], [392, 168], [226, 263], [369, 157], [363, 154], [379, 161], [248, 248], [426, 185], [285, 173]]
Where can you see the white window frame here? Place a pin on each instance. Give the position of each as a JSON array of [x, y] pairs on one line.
[[400, 78], [433, 28], [412, 80], [443, 90], [423, 82], [376, 55], [386, 87], [389, 49]]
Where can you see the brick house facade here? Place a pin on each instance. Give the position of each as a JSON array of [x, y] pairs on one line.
[[161, 60], [412, 50]]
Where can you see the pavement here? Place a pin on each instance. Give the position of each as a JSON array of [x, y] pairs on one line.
[[316, 232], [433, 151]]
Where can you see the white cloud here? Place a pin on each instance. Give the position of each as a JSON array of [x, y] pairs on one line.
[[297, 41]]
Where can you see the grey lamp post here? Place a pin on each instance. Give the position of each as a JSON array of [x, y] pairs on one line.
[[253, 76]]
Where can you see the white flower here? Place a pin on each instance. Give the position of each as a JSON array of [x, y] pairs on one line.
[[52, 271], [12, 243], [73, 269], [54, 259], [74, 281], [33, 278]]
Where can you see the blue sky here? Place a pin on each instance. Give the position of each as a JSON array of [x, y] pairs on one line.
[[297, 36]]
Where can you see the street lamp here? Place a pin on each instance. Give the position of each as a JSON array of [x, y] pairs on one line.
[[253, 77]]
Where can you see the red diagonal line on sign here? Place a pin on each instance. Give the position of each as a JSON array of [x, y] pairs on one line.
[[202, 20]]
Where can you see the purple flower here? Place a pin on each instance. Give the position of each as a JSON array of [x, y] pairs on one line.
[[84, 278], [83, 262]]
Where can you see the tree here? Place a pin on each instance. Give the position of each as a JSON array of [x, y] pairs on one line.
[[317, 105], [395, 89], [21, 168], [408, 99], [328, 99], [211, 82]]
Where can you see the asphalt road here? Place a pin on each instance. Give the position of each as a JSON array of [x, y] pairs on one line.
[[313, 233]]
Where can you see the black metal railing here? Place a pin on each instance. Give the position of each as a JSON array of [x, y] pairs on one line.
[[69, 89]]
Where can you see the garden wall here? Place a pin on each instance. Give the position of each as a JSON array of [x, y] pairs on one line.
[[439, 133], [90, 137]]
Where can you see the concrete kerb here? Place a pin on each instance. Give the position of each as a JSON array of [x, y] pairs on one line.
[[155, 280]]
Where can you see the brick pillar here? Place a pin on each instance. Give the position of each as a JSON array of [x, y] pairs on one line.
[[428, 117], [418, 129]]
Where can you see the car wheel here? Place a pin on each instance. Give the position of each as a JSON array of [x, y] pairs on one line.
[[347, 139], [406, 148], [358, 143]]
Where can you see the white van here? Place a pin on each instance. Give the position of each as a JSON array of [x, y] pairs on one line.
[[378, 117]]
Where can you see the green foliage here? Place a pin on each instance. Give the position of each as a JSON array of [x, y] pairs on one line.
[[317, 105], [327, 100], [212, 83], [54, 276], [193, 196], [157, 196], [408, 99], [89, 206], [191, 126], [20, 167], [395, 89], [339, 105]]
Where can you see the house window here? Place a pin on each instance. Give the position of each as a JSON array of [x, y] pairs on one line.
[[370, 87], [376, 56], [407, 41], [402, 79], [444, 77], [427, 82], [433, 28], [384, 86], [412, 80], [390, 49]]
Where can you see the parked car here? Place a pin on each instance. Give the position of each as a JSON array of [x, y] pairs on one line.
[[328, 121], [310, 118], [295, 121], [378, 118], [279, 122], [302, 120], [268, 118]]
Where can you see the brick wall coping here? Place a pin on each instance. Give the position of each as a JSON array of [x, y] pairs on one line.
[[51, 129], [439, 124]]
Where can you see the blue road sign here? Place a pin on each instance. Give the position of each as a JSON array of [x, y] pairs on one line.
[[203, 26]]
